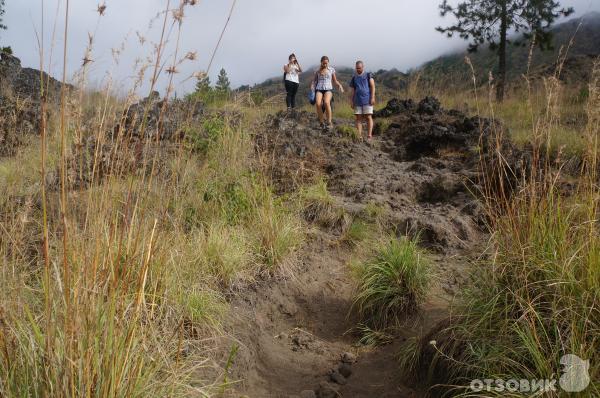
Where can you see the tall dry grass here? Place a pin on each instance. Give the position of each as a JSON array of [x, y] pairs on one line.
[[535, 295], [117, 248]]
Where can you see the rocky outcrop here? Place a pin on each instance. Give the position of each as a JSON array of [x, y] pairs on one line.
[[154, 116], [21, 91], [20, 96], [26, 82], [422, 168], [394, 107]]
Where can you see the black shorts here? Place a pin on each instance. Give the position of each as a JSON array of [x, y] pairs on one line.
[[324, 91]]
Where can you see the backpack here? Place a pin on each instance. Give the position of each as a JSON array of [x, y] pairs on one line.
[[312, 97], [312, 93]]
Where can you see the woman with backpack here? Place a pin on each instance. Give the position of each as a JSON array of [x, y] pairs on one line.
[[291, 79], [322, 84]]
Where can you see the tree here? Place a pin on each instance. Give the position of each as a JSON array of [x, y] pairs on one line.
[[222, 82], [491, 21], [2, 26], [203, 85]]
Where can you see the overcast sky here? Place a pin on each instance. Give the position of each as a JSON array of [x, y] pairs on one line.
[[261, 34]]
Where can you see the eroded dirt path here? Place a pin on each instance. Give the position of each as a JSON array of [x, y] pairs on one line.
[[294, 331], [297, 331]]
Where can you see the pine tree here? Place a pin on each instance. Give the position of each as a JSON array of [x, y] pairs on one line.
[[490, 21], [203, 85], [222, 82], [2, 26]]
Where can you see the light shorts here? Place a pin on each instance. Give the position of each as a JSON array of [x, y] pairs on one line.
[[363, 110]]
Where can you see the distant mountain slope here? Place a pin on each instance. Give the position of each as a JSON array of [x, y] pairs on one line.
[[450, 71]]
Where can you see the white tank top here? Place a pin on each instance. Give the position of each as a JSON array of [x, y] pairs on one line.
[[292, 74]]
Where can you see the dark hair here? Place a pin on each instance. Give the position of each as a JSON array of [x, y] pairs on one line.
[[291, 55], [323, 58], [360, 62]]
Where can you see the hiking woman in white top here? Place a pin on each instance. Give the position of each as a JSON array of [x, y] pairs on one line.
[[292, 80], [323, 83]]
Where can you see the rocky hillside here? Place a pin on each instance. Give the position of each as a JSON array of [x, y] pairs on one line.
[[20, 94]]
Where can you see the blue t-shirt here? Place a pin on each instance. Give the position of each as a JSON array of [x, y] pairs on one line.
[[362, 90]]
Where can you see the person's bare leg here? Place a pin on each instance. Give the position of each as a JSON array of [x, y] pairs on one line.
[[327, 99], [369, 125], [319, 104], [359, 125]]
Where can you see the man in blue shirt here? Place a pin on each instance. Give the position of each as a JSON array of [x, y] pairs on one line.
[[363, 98]]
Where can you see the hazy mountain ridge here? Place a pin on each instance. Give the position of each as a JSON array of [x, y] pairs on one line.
[[580, 35], [450, 71]]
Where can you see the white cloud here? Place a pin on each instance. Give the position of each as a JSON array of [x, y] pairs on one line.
[[261, 34]]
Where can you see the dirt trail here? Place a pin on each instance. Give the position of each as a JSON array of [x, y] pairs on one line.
[[294, 331], [297, 332]]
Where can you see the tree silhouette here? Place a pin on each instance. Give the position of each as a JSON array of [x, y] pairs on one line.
[[222, 82], [2, 26], [491, 21], [203, 85]]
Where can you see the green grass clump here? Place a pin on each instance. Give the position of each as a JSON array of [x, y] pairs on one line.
[[224, 253], [204, 307], [372, 338], [342, 111], [318, 205], [381, 126], [358, 231], [277, 234], [392, 283], [348, 131], [373, 211]]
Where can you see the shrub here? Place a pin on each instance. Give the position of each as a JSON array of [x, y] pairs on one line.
[[392, 283], [257, 97], [199, 140]]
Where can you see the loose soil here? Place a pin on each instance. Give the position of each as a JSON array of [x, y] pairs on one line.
[[295, 333]]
